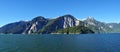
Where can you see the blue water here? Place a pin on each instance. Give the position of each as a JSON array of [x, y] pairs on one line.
[[60, 43]]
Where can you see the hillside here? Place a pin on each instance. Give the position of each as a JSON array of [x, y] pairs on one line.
[[74, 30]]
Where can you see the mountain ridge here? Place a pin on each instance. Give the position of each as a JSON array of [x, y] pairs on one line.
[[43, 25]]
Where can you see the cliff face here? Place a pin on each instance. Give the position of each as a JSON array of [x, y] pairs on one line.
[[60, 23], [35, 25], [69, 21]]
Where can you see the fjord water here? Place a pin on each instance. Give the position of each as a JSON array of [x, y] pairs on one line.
[[60, 43]]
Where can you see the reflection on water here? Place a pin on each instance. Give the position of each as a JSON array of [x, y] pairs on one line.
[[60, 43]]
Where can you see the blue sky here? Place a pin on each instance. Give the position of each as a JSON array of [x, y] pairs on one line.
[[16, 10]]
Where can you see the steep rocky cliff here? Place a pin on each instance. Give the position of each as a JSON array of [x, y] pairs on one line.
[[35, 25], [60, 23]]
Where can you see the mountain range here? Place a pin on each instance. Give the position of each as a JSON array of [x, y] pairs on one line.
[[66, 24]]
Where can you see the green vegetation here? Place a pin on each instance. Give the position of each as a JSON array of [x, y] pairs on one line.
[[74, 30], [48, 28]]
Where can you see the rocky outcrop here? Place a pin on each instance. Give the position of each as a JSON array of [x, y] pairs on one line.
[[69, 21], [35, 25]]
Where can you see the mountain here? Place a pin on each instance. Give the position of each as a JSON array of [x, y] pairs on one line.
[[115, 27], [96, 26], [74, 30], [23, 27], [14, 28], [60, 23], [36, 24], [41, 25]]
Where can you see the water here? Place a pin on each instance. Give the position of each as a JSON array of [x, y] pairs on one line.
[[60, 43]]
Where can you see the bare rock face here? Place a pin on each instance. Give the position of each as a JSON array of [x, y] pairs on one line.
[[35, 25], [33, 28], [60, 23], [77, 22], [69, 21]]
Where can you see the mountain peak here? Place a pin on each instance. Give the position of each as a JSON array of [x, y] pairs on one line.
[[39, 18], [90, 18], [68, 16]]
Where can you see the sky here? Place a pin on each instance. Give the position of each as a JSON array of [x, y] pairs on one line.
[[17, 10]]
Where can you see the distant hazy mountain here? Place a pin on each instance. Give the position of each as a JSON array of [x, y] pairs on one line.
[[115, 27], [41, 25]]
